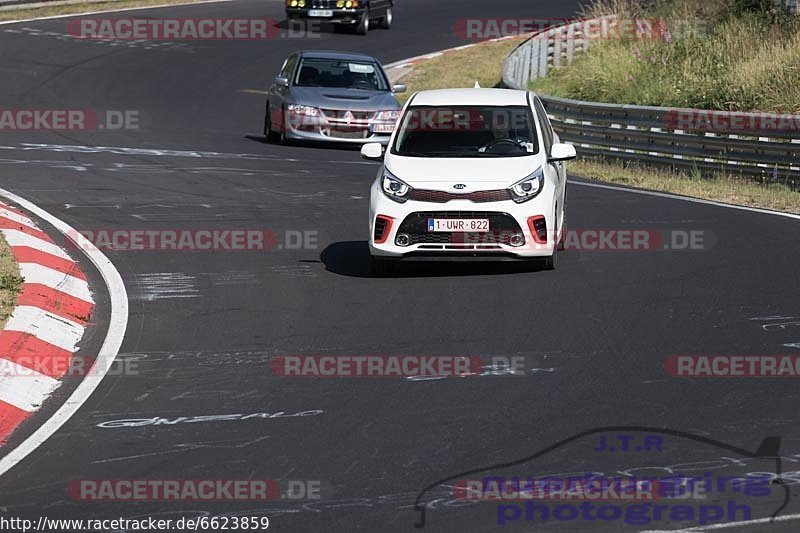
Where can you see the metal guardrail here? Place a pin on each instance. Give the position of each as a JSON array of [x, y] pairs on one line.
[[650, 134]]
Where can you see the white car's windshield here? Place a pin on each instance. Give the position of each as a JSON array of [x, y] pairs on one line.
[[466, 131], [339, 73]]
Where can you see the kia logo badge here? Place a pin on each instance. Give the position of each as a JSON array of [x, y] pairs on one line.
[[459, 186]]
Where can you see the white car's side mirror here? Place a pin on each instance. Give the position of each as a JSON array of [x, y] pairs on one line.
[[562, 152], [372, 151]]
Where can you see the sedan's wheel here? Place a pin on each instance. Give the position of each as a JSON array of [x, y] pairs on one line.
[[363, 25], [379, 266], [269, 133], [386, 20], [282, 136]]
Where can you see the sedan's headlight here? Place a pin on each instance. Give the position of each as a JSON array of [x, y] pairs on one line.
[[387, 116], [385, 121], [305, 110], [528, 187], [395, 188]]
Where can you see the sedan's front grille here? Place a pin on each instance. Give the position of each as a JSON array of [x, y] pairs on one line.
[[441, 197], [346, 133], [502, 227], [341, 115]]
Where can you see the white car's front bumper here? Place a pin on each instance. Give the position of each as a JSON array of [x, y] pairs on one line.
[[506, 219]]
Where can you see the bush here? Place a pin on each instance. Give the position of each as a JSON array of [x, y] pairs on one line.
[[743, 62]]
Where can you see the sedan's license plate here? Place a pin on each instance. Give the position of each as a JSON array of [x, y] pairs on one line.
[[458, 224], [320, 12]]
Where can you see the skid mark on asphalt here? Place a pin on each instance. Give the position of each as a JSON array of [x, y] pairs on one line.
[[155, 152], [294, 271], [180, 448], [786, 323], [234, 277], [165, 285], [155, 286], [143, 44]]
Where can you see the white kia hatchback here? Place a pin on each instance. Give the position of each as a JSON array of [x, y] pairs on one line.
[[475, 174]]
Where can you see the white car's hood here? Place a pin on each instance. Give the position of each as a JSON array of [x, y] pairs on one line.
[[475, 173]]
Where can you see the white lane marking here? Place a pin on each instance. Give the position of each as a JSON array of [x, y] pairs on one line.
[[36, 273], [15, 237], [24, 388], [10, 215], [687, 199], [160, 6], [728, 525], [118, 323], [51, 329]]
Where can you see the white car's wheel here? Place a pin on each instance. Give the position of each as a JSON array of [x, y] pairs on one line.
[[551, 262]]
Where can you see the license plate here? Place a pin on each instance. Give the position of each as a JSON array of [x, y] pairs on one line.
[[458, 224], [320, 12]]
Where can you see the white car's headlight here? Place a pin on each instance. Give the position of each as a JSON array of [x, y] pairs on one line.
[[528, 187], [395, 188], [305, 110]]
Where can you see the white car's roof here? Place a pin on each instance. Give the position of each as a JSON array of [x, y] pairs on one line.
[[443, 97]]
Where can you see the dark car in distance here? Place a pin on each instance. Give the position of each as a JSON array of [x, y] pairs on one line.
[[360, 14]]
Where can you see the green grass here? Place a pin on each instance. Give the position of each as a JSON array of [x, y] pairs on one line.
[[721, 57], [482, 62], [10, 281], [461, 68], [720, 188]]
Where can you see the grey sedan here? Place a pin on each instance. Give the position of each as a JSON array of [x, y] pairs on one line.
[[331, 96]]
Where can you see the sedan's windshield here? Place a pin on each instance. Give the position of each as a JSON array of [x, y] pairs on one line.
[[342, 74], [466, 131]]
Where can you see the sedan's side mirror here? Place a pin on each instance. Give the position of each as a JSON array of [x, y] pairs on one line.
[[562, 152], [372, 151], [399, 88], [281, 81]]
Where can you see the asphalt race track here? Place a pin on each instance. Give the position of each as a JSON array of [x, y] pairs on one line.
[[204, 326]]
